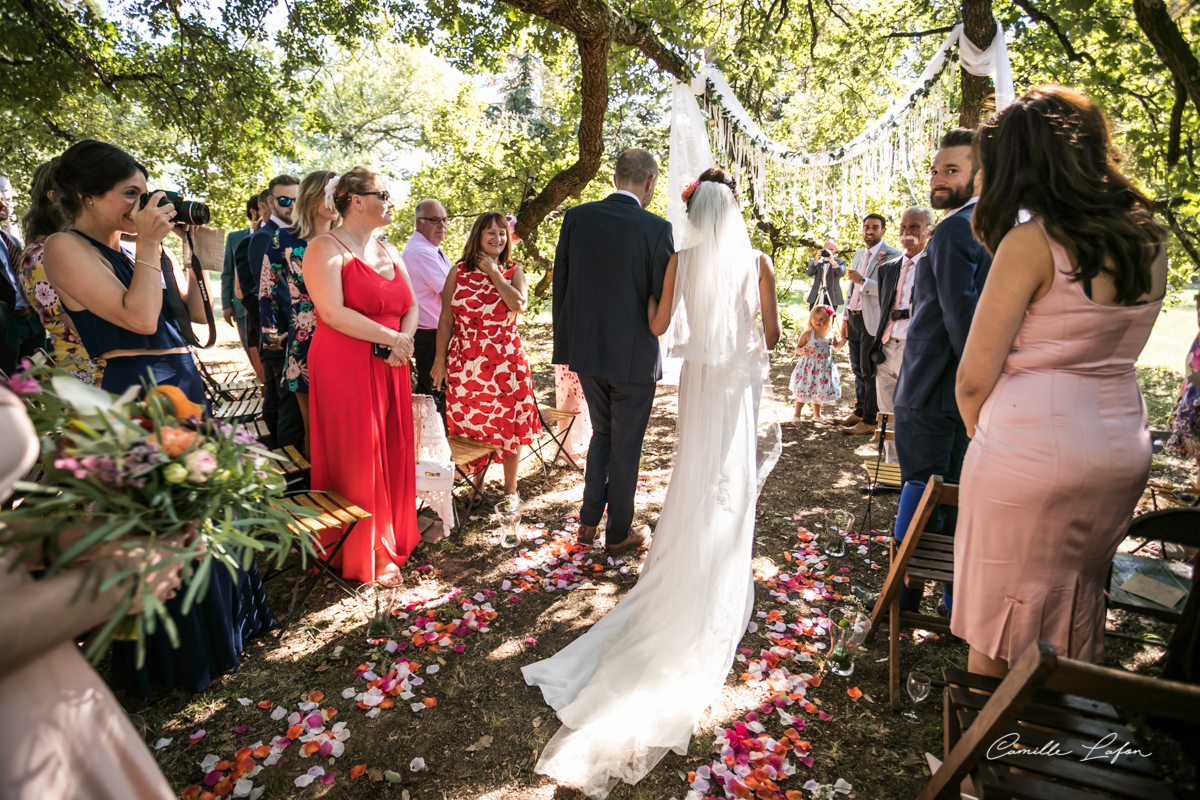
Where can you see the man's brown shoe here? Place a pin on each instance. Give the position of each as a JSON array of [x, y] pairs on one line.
[[860, 428], [636, 538], [850, 421], [587, 534]]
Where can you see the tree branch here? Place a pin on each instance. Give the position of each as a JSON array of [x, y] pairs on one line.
[[918, 34], [1038, 15], [1176, 126], [1183, 236], [1168, 42]]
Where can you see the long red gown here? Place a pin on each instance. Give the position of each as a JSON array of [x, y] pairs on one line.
[[361, 427]]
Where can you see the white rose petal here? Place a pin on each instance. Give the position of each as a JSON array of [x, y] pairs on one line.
[[242, 788], [417, 764], [209, 762], [279, 713], [161, 743], [245, 701]]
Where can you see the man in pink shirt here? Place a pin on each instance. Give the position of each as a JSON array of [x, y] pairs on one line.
[[427, 268]]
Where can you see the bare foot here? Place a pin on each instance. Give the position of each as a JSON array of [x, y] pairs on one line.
[[391, 576]]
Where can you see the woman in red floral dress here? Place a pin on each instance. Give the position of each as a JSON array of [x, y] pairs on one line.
[[489, 388]]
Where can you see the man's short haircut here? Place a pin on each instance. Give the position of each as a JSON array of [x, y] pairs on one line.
[[635, 167], [252, 207], [958, 137], [264, 196], [424, 206], [923, 211], [282, 180], [882, 219]]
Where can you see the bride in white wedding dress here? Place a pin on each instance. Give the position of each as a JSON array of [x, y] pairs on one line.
[[635, 685]]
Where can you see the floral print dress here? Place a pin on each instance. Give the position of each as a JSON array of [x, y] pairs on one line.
[[283, 282], [815, 378], [1185, 428], [69, 352], [489, 396]]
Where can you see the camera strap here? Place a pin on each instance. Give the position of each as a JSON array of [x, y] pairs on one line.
[[179, 310]]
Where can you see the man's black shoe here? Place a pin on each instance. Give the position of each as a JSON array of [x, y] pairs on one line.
[[942, 611]]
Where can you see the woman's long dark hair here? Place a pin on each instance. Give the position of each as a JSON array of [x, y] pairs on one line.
[[43, 216], [474, 244], [90, 169], [1050, 152]]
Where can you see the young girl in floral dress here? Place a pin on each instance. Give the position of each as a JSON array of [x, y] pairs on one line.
[[815, 379]]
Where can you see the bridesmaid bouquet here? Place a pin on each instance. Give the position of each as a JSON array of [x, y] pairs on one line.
[[152, 477]]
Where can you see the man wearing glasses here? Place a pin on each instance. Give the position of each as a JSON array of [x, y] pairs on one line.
[[427, 267], [281, 411]]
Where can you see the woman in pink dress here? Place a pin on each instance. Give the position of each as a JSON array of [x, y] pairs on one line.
[[360, 397], [1060, 450]]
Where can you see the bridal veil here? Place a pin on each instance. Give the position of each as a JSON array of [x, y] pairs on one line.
[[636, 684]]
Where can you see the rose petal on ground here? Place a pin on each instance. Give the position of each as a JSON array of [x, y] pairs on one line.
[[245, 701], [161, 743], [430, 702], [854, 692], [265, 704], [197, 736], [431, 669], [357, 772], [316, 697], [242, 788], [328, 777], [841, 787], [824, 717], [240, 729], [417, 764], [279, 713]]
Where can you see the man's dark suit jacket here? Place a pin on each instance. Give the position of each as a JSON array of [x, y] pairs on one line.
[[887, 276], [946, 288], [611, 257], [249, 271], [228, 297]]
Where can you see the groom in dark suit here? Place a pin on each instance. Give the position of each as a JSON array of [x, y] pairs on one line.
[[931, 438], [611, 257]]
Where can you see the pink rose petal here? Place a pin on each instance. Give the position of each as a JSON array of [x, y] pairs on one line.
[[328, 777], [241, 729]]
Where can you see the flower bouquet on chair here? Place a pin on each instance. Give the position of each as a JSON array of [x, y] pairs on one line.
[[147, 476]]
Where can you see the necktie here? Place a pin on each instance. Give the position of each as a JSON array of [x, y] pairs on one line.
[[887, 332]]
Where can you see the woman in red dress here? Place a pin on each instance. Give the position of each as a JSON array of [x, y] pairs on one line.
[[360, 404], [489, 394]]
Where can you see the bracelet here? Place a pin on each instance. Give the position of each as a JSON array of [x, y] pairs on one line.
[[148, 264]]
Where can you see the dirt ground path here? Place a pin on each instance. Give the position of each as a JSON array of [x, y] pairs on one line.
[[479, 729]]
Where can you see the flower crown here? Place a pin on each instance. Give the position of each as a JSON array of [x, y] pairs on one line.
[[331, 192], [690, 190]]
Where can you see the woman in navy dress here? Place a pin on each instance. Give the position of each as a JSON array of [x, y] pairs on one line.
[[117, 303]]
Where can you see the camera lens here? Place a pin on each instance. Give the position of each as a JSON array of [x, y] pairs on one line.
[[191, 212]]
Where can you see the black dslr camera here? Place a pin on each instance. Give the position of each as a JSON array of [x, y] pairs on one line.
[[899, 314], [826, 254], [187, 212]]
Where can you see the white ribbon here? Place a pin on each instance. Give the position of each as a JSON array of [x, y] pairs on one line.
[[992, 61]]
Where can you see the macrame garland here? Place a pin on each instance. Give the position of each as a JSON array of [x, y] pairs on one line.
[[883, 168]]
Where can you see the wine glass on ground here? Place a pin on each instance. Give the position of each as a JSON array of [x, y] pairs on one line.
[[918, 690], [837, 525], [509, 513]]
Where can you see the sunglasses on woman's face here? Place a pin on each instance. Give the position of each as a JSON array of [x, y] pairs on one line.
[[284, 202], [381, 195]]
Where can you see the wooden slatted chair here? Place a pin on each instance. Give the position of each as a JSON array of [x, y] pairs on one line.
[[246, 409], [464, 452], [921, 556], [292, 464], [551, 417], [330, 510], [1064, 707]]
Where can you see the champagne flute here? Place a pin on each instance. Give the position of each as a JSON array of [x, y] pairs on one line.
[[918, 690]]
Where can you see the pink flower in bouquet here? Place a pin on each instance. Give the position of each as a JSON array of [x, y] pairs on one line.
[[20, 383], [200, 464], [176, 441]]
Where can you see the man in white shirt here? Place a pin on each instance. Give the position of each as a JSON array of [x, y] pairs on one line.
[[862, 321], [896, 279], [427, 268]]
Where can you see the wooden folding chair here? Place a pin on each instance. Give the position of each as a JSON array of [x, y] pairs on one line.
[[292, 464], [878, 471], [1064, 715], [551, 417], [331, 511], [921, 556], [464, 452], [247, 409], [1177, 525]]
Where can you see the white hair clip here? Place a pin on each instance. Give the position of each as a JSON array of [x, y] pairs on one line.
[[331, 192]]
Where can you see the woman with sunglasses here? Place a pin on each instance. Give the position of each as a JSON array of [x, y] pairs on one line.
[[360, 397]]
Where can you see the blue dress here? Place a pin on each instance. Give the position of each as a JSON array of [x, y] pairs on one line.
[[235, 608]]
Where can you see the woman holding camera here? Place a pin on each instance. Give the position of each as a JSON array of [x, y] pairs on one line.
[[360, 395], [117, 303]]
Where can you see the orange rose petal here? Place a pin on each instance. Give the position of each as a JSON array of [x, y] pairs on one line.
[[386, 703], [854, 692], [262, 751], [223, 765], [362, 705], [206, 796], [294, 732], [810, 708], [357, 772], [245, 763], [316, 697], [265, 704], [240, 754], [223, 788], [192, 792], [330, 713], [430, 702], [310, 748]]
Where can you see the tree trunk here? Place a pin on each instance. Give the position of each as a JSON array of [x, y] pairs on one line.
[[593, 91], [980, 28], [1155, 21]]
